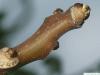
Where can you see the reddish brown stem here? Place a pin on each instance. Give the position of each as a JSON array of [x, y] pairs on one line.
[[44, 40], [40, 44]]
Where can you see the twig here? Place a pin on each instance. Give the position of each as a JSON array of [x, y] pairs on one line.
[[39, 45]]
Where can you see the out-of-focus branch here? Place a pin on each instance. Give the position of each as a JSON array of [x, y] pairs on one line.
[[40, 44]]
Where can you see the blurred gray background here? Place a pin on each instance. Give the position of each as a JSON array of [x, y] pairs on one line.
[[79, 50]]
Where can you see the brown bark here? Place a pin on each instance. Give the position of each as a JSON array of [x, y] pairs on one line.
[[40, 44]]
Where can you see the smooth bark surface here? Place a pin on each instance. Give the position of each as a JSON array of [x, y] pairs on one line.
[[45, 39]]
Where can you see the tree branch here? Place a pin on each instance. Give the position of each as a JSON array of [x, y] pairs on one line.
[[40, 44]]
